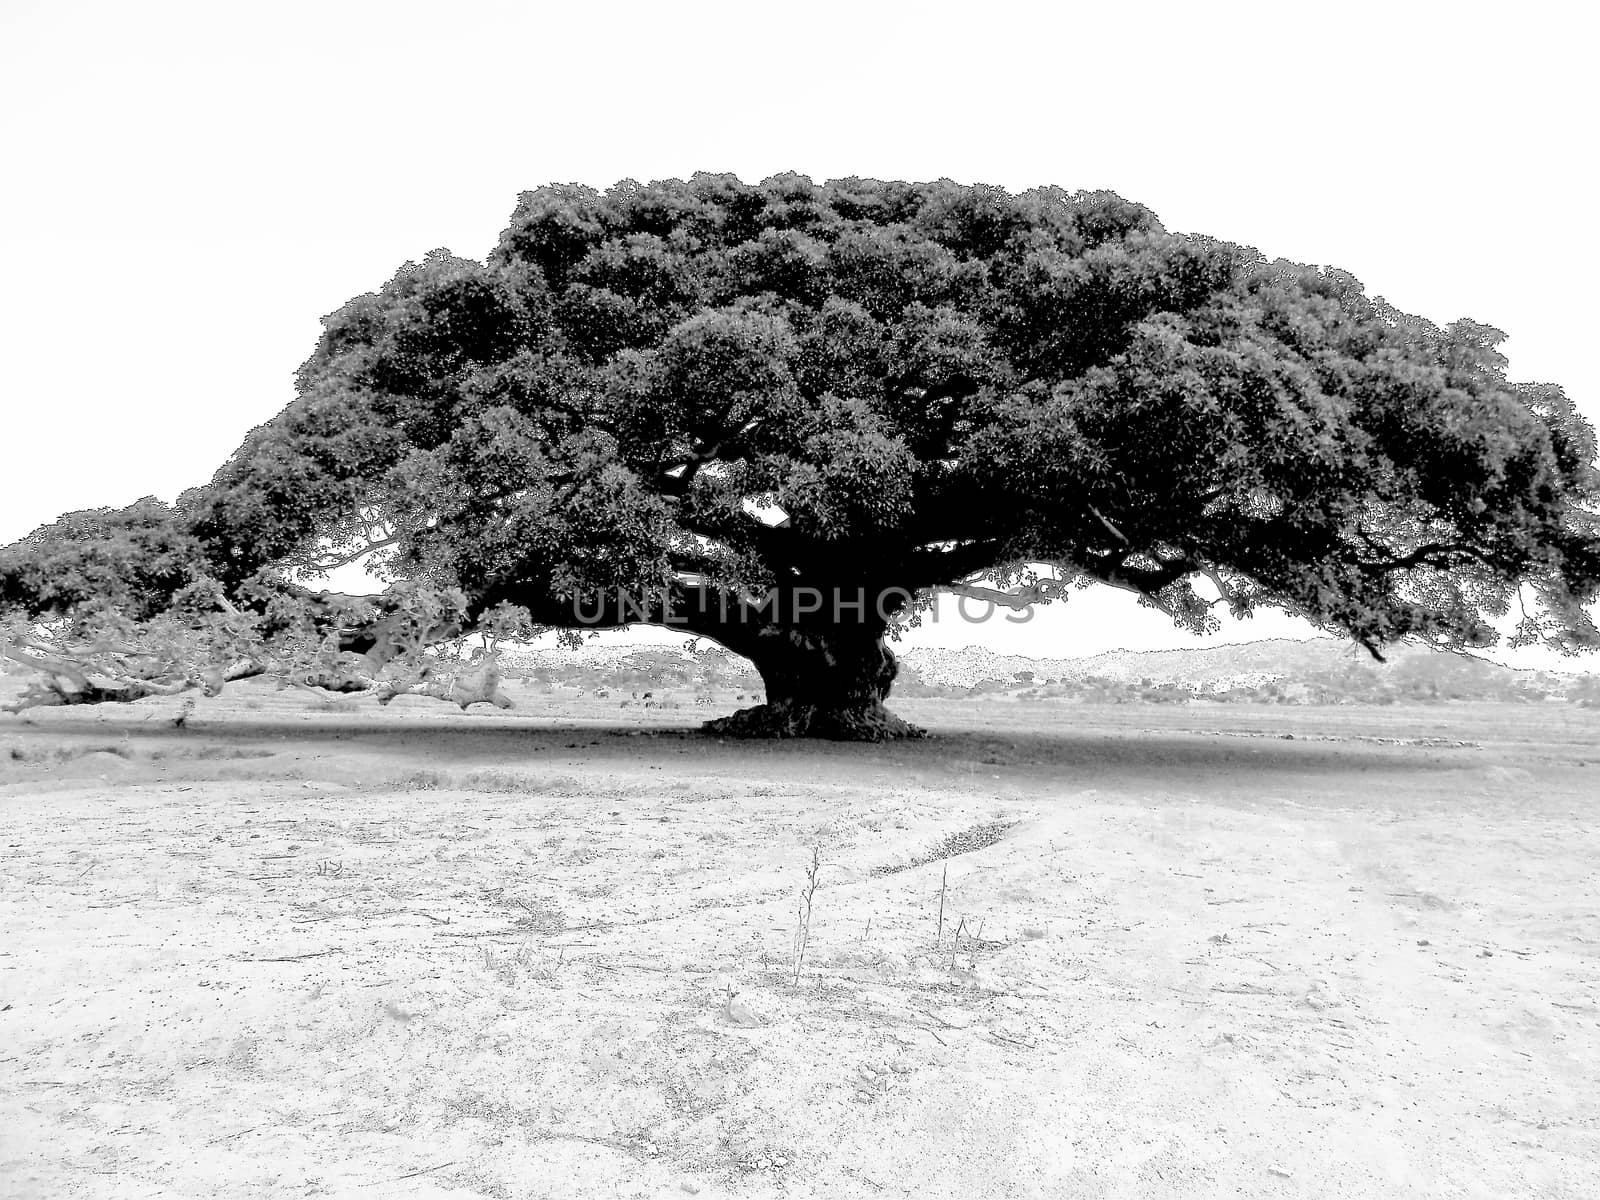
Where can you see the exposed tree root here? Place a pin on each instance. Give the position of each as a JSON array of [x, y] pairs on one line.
[[794, 719]]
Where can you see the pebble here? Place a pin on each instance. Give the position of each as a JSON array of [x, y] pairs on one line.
[[741, 1014], [1321, 995]]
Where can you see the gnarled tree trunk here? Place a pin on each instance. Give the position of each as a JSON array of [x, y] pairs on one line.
[[827, 682]]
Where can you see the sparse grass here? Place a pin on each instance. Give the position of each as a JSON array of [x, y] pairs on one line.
[[492, 781], [966, 841], [62, 754], [527, 961], [539, 916], [517, 784], [421, 781], [210, 753], [963, 841], [498, 781]]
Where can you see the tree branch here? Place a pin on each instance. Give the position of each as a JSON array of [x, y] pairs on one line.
[[1123, 585], [927, 567], [328, 563], [1037, 593], [717, 447], [1115, 532], [67, 683], [1442, 555]]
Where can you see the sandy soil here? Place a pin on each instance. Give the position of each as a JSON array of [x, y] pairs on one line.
[[303, 949]]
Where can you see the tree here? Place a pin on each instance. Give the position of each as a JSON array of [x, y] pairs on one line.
[[782, 416]]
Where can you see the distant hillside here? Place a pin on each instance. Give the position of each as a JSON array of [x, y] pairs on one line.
[[1315, 670], [628, 668], [1274, 658], [1278, 670]]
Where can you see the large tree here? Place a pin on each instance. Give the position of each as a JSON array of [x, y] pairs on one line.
[[781, 416]]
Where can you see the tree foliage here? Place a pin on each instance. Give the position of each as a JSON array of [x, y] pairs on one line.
[[714, 405]]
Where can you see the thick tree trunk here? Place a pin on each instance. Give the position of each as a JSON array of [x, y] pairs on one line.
[[824, 683], [826, 674]]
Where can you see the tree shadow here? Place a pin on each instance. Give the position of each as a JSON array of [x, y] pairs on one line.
[[1059, 756]]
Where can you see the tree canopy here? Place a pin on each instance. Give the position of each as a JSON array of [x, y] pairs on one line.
[[780, 416]]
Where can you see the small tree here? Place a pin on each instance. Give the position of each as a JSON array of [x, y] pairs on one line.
[[782, 416]]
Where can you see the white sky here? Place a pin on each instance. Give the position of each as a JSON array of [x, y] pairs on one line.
[[191, 186]]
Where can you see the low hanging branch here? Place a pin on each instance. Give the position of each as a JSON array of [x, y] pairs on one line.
[[1015, 599], [66, 682], [390, 648]]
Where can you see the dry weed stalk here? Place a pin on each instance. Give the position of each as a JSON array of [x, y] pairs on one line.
[[974, 943], [802, 933]]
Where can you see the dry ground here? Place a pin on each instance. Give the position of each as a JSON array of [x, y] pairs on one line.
[[306, 949]]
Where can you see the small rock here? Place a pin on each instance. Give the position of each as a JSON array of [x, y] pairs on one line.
[[1321, 995], [737, 1012], [1424, 942], [692, 1188], [1031, 933]]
